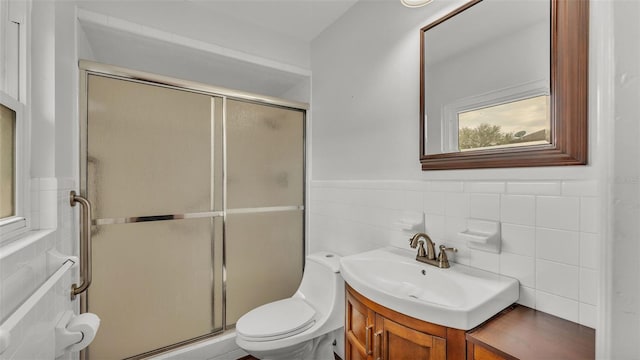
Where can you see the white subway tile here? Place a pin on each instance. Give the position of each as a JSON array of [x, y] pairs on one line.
[[519, 239], [559, 306], [362, 197], [590, 250], [520, 267], [588, 315], [66, 184], [315, 184], [35, 220], [35, 200], [344, 211], [534, 188], [453, 226], [580, 188], [388, 184], [400, 240], [557, 212], [434, 226], [318, 207], [48, 209], [418, 186], [484, 206], [412, 201], [518, 209], [487, 187], [47, 184], [456, 204], [34, 185], [527, 297], [433, 202], [388, 199], [462, 256], [558, 245], [409, 221], [446, 186], [558, 279], [590, 218], [484, 260], [589, 286]]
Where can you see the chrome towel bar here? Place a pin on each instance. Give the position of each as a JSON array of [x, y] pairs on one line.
[[85, 244]]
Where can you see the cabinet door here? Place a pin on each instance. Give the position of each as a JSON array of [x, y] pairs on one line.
[[398, 342], [480, 353], [359, 324]]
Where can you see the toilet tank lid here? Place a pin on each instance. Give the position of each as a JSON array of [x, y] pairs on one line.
[[326, 258]]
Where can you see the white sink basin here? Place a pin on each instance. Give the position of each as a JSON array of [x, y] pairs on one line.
[[459, 297]]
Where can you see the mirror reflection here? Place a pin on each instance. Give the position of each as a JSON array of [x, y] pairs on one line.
[[487, 78]]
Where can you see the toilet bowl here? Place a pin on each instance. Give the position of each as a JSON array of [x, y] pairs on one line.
[[302, 326]]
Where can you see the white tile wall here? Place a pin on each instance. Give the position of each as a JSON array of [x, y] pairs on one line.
[[550, 230], [24, 266]]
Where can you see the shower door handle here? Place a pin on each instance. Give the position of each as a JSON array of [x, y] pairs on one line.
[[85, 244]]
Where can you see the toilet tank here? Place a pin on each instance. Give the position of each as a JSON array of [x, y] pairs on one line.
[[322, 285]]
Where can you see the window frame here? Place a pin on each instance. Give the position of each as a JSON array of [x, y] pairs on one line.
[[14, 94], [450, 111], [18, 223]]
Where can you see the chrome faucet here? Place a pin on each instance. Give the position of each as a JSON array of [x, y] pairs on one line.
[[428, 256]]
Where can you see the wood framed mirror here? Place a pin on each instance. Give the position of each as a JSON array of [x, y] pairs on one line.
[[492, 127]]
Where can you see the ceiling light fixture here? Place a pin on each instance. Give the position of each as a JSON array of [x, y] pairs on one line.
[[415, 3]]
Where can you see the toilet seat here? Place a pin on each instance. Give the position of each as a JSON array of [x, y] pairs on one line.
[[276, 320]]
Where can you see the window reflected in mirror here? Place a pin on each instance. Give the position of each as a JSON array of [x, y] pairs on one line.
[[518, 123], [469, 67]]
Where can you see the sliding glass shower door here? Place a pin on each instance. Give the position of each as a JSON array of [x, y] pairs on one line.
[[198, 211], [265, 194], [157, 214]]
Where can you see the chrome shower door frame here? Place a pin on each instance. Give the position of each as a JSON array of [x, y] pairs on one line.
[[88, 68]]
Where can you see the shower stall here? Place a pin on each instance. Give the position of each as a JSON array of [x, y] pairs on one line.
[[198, 206]]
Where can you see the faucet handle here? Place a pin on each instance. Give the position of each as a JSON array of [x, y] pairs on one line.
[[443, 260], [443, 248]]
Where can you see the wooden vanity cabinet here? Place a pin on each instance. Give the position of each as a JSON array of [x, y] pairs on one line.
[[374, 332], [519, 332]]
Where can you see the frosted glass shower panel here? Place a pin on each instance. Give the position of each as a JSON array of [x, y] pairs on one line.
[[265, 155], [264, 259], [148, 143], [152, 285]]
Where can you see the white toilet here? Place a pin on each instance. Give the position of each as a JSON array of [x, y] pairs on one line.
[[300, 327]]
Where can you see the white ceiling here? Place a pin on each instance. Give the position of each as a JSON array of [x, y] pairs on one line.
[[301, 19]]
